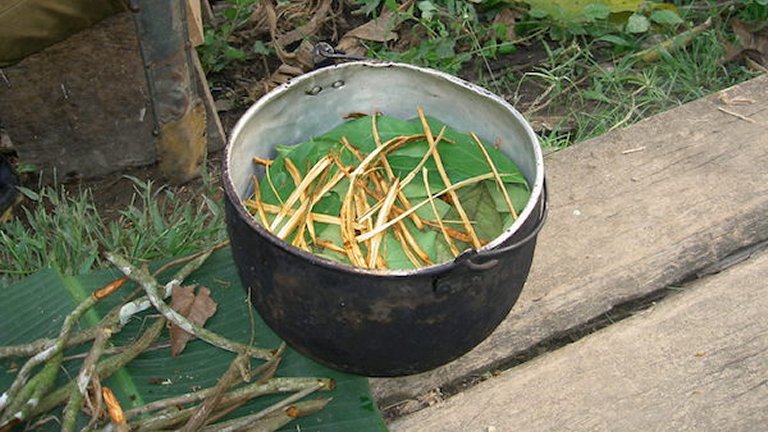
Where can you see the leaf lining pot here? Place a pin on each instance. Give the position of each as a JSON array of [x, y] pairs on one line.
[[379, 322]]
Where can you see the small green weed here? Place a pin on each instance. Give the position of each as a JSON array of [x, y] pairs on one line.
[[64, 230], [217, 52], [450, 32]]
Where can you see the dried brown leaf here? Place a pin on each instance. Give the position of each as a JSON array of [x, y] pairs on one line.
[[197, 308], [182, 298], [380, 29], [752, 44]]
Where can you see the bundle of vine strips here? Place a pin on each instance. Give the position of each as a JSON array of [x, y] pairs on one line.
[[379, 192]]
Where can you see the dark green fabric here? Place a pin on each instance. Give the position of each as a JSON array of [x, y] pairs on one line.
[[28, 26]]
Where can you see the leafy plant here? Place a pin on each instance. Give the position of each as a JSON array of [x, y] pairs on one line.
[[63, 230], [618, 22], [217, 52], [575, 11]]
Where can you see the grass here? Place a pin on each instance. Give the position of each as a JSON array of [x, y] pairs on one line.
[[63, 229], [619, 93], [585, 81]]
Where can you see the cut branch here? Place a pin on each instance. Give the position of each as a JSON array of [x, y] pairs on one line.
[[151, 287]]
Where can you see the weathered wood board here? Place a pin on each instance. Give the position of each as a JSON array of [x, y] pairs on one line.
[[82, 106], [631, 212], [696, 361]]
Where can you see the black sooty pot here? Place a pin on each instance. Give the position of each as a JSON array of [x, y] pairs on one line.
[[376, 322]]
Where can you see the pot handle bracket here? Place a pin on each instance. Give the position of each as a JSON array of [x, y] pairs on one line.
[[486, 259], [323, 54]]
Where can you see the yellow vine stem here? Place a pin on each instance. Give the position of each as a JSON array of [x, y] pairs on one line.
[[348, 206], [403, 234], [391, 175], [312, 174], [257, 204], [295, 218], [375, 243], [347, 216], [296, 177], [361, 206], [458, 235], [330, 246], [499, 182], [318, 217], [272, 185], [410, 241], [408, 178], [441, 169], [264, 162], [438, 219], [304, 223], [458, 185]]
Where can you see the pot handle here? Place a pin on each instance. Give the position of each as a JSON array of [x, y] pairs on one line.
[[486, 259]]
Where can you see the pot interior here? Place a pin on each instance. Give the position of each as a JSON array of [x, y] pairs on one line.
[[316, 102]]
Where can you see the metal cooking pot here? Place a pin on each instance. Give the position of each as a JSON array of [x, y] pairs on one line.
[[379, 322]]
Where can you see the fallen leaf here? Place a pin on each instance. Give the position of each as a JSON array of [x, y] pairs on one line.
[[380, 29], [197, 308], [376, 30], [752, 45]]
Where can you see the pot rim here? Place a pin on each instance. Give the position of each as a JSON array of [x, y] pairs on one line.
[[237, 202]]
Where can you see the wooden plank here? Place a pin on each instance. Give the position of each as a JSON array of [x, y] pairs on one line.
[[81, 107], [631, 212], [195, 23], [696, 361]]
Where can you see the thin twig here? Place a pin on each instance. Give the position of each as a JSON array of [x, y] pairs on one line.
[[141, 304], [203, 412], [75, 402], [117, 350], [626, 117], [32, 348], [275, 385], [274, 421], [95, 403], [106, 367], [737, 115], [151, 287], [236, 424], [52, 356], [633, 150]]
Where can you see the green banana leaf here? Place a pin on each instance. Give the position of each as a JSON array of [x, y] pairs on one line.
[[35, 307]]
